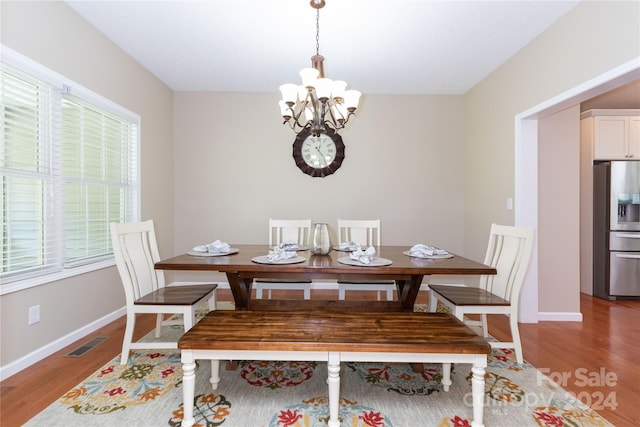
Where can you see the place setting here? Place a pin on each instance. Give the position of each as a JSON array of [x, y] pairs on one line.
[[291, 246], [216, 248], [427, 252], [278, 255], [364, 258], [347, 247]]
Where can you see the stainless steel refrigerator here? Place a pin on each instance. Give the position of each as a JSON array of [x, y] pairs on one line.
[[616, 229]]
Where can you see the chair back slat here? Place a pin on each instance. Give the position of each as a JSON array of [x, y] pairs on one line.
[[289, 230], [135, 250], [362, 232], [509, 251]]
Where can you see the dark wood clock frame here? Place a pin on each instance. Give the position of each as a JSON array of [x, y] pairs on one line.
[[310, 170]]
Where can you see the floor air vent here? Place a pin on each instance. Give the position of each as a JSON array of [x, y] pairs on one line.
[[80, 351]]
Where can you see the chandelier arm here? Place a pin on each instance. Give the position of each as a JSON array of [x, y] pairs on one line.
[[346, 119], [292, 124], [334, 121], [330, 125], [296, 117], [321, 122], [295, 122], [323, 112], [318, 111]]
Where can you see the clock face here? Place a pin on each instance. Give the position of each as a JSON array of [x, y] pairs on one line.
[[318, 151], [318, 155]]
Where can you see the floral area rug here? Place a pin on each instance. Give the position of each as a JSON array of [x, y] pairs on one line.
[[148, 392]]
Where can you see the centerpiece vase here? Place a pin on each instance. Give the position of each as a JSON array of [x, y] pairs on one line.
[[320, 239]]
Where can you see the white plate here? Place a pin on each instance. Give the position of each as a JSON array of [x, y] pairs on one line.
[[264, 259], [376, 262], [299, 248], [407, 253], [231, 251], [337, 248]]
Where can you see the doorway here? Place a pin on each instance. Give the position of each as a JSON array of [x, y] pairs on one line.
[[526, 164]]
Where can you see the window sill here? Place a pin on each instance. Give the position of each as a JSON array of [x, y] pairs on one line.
[[43, 280]]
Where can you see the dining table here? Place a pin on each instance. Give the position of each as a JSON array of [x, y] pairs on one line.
[[244, 263]]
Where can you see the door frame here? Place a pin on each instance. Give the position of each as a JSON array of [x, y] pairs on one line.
[[527, 168]]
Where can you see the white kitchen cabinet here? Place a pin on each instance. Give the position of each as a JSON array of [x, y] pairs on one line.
[[634, 137], [615, 134]]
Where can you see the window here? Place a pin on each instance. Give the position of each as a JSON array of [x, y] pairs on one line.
[[69, 167]]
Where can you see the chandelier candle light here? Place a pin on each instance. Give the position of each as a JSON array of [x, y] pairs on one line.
[[326, 103]]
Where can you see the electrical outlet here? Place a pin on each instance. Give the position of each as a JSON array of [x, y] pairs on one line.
[[34, 314]]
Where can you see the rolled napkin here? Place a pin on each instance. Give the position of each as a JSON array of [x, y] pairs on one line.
[[365, 256], [288, 246], [216, 247], [421, 250], [279, 254], [349, 246]]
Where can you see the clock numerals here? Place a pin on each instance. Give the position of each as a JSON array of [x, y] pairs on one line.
[[310, 159], [320, 155]]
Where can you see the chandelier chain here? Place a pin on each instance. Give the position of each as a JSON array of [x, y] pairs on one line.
[[317, 31]]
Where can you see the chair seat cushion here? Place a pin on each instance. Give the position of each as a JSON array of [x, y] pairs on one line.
[[176, 295], [467, 295]]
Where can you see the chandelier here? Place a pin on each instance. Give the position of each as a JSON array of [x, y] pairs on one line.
[[319, 104]]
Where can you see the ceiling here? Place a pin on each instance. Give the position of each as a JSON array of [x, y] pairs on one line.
[[377, 46], [624, 97]]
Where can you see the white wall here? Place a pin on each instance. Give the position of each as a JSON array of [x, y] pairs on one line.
[[55, 36], [234, 170], [559, 211], [591, 39], [436, 169]]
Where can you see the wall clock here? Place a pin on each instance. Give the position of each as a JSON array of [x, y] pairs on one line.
[[318, 155]]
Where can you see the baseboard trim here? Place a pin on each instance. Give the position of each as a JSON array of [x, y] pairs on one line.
[[47, 350], [555, 316]]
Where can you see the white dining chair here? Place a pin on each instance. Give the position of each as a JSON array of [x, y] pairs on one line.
[[290, 231], [365, 233], [136, 251], [509, 252]]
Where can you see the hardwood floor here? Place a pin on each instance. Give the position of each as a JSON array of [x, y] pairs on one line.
[[597, 359]]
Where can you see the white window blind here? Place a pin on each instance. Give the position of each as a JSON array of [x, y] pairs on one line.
[[98, 169], [68, 168], [29, 121]]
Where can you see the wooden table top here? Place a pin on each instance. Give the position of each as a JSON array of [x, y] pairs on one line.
[[333, 331], [326, 264]]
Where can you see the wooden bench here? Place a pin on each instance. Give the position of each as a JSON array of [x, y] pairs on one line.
[[333, 337]]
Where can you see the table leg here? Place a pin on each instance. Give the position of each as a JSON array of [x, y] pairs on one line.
[[477, 390], [232, 365], [241, 290], [215, 374], [333, 366], [408, 291], [188, 388], [446, 376]]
